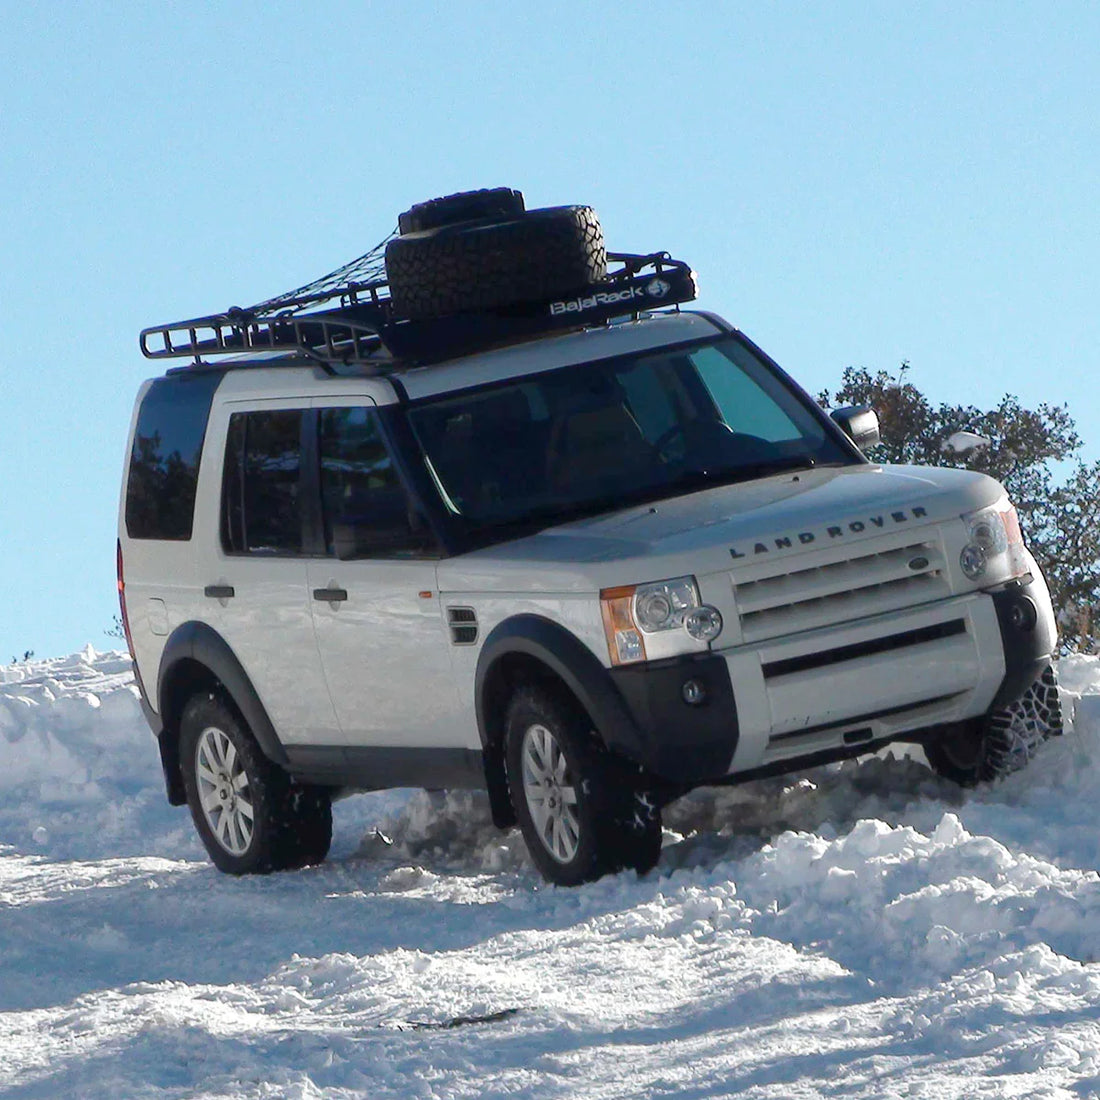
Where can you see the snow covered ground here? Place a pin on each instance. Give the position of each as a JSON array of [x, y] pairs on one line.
[[864, 930]]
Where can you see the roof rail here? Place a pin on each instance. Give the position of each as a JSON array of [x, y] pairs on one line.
[[363, 329]]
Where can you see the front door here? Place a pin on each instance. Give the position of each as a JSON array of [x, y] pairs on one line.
[[376, 608]]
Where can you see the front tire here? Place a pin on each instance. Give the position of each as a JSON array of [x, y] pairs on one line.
[[1002, 742], [581, 812], [250, 815]]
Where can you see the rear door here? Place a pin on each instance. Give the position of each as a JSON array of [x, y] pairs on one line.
[[257, 587], [376, 606]]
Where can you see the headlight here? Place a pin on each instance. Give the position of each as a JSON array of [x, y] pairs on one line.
[[994, 552], [637, 612], [662, 606]]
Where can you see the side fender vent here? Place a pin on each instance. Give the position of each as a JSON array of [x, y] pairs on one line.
[[462, 622]]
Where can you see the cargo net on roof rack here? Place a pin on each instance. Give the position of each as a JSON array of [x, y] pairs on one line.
[[348, 317], [293, 321], [367, 274]]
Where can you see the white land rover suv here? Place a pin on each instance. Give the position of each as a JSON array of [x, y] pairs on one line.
[[472, 514]]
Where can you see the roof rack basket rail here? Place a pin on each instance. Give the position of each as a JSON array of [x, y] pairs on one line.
[[333, 336], [362, 328]]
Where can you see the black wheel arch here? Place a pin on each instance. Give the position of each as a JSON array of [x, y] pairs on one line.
[[197, 658], [531, 649]]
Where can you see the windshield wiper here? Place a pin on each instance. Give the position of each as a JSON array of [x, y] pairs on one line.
[[729, 475], [539, 519], [691, 480], [776, 466]]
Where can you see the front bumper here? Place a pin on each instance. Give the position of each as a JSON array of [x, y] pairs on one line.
[[838, 689], [678, 740], [1029, 637]]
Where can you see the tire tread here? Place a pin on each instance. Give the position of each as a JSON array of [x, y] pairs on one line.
[[1005, 740], [457, 269], [293, 822], [621, 820]]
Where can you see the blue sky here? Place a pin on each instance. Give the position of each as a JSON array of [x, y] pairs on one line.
[[856, 184]]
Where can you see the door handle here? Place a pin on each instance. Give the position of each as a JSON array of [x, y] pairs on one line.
[[219, 591], [330, 595]]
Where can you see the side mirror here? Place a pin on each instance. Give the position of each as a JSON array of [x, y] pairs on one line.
[[859, 423]]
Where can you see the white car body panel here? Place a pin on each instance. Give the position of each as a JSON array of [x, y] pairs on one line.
[[799, 564], [268, 623]]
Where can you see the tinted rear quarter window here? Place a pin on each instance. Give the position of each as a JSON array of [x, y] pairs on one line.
[[164, 461], [261, 493]]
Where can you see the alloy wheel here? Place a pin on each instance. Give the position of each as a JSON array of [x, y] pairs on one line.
[[223, 791], [550, 793]]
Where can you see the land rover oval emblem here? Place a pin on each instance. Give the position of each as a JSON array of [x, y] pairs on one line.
[[918, 563]]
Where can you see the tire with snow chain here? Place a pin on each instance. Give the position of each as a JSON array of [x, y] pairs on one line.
[[486, 265], [250, 815], [489, 204], [1002, 742], [581, 812]]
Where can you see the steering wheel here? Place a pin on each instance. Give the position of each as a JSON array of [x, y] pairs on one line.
[[668, 436]]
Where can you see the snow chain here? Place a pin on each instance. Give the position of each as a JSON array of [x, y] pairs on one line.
[[1017, 730]]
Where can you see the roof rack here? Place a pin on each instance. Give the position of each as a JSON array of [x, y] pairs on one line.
[[363, 328]]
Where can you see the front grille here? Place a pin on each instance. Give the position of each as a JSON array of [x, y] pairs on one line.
[[832, 586], [462, 622]]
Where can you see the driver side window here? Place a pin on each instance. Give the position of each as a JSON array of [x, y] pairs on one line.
[[650, 394], [367, 512]]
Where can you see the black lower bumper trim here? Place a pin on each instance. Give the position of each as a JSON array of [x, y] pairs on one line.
[[1028, 639], [682, 741]]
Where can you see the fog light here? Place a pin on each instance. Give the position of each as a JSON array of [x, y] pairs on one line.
[[1023, 614], [694, 692], [703, 623], [972, 560]]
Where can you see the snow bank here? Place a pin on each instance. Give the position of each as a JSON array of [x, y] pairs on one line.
[[80, 778], [864, 929], [79, 770]]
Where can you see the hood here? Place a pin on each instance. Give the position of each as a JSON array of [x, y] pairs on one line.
[[713, 529]]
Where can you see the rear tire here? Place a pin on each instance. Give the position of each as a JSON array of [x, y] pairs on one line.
[[250, 815], [581, 811], [1002, 742], [485, 265]]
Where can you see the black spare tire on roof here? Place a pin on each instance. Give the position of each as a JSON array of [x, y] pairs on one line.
[[481, 265], [489, 204]]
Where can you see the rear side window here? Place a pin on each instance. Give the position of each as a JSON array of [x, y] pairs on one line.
[[164, 462], [262, 491]]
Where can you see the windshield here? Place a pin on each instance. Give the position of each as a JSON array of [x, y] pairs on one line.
[[572, 442]]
